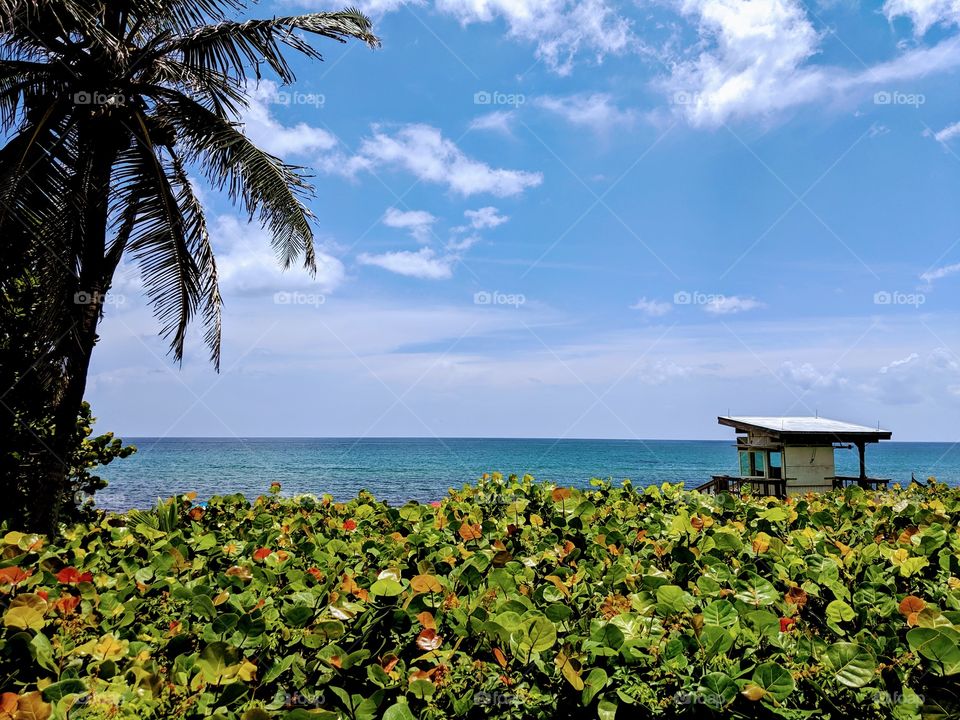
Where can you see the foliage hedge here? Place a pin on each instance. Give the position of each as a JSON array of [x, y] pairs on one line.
[[508, 599]]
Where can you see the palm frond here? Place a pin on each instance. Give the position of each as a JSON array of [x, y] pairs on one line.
[[267, 187]]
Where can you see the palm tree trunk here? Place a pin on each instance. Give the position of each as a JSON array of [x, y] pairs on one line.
[[93, 282]]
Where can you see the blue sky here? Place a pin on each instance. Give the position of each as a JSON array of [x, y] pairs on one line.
[[588, 219]]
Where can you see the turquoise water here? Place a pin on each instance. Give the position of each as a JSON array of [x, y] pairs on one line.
[[399, 469]]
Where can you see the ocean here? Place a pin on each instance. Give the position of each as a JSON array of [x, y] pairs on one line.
[[423, 469]]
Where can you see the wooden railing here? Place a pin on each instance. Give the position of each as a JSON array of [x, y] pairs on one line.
[[775, 487], [867, 483]]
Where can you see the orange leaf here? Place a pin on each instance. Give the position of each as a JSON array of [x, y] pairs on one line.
[[241, 572], [13, 575], [470, 532], [335, 661], [500, 657], [426, 619], [796, 596], [8, 705], [911, 604], [425, 583], [389, 661], [261, 553], [428, 639], [560, 494], [66, 604]]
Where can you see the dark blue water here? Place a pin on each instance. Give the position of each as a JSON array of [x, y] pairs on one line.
[[399, 469]]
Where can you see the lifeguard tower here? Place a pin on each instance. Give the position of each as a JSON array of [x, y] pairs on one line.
[[782, 456]]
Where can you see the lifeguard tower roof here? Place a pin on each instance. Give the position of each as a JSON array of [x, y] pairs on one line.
[[795, 428]]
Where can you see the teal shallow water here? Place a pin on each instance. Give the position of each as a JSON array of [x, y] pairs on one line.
[[400, 469]]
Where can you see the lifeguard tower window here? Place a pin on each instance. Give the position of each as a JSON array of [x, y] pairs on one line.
[[752, 464], [776, 465]]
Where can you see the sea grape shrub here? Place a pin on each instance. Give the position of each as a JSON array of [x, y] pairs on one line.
[[507, 599]]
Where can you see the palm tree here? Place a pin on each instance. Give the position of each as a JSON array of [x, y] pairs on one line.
[[107, 106]]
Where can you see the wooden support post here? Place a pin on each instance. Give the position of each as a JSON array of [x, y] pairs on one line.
[[862, 448]]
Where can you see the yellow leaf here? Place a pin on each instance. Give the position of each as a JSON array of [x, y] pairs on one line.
[[247, 671], [32, 707], [761, 543], [426, 619], [109, 648], [753, 692], [26, 612]]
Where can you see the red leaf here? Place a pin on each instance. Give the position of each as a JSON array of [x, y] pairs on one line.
[[786, 624], [70, 575], [349, 525], [261, 553]]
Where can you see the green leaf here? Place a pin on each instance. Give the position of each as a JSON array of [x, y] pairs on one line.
[[386, 588], [717, 690], [398, 711], [594, 683], [837, 612], [672, 599], [58, 690], [775, 679], [720, 613], [607, 710], [852, 664], [756, 591], [942, 645]]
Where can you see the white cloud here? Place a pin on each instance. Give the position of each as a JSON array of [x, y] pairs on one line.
[[924, 14], [731, 304], [271, 135], [500, 121], [753, 60], [947, 134], [652, 308], [664, 371], [424, 263], [423, 151], [485, 217], [917, 378], [562, 29], [419, 223], [807, 377], [940, 272], [755, 50], [596, 111], [248, 265]]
